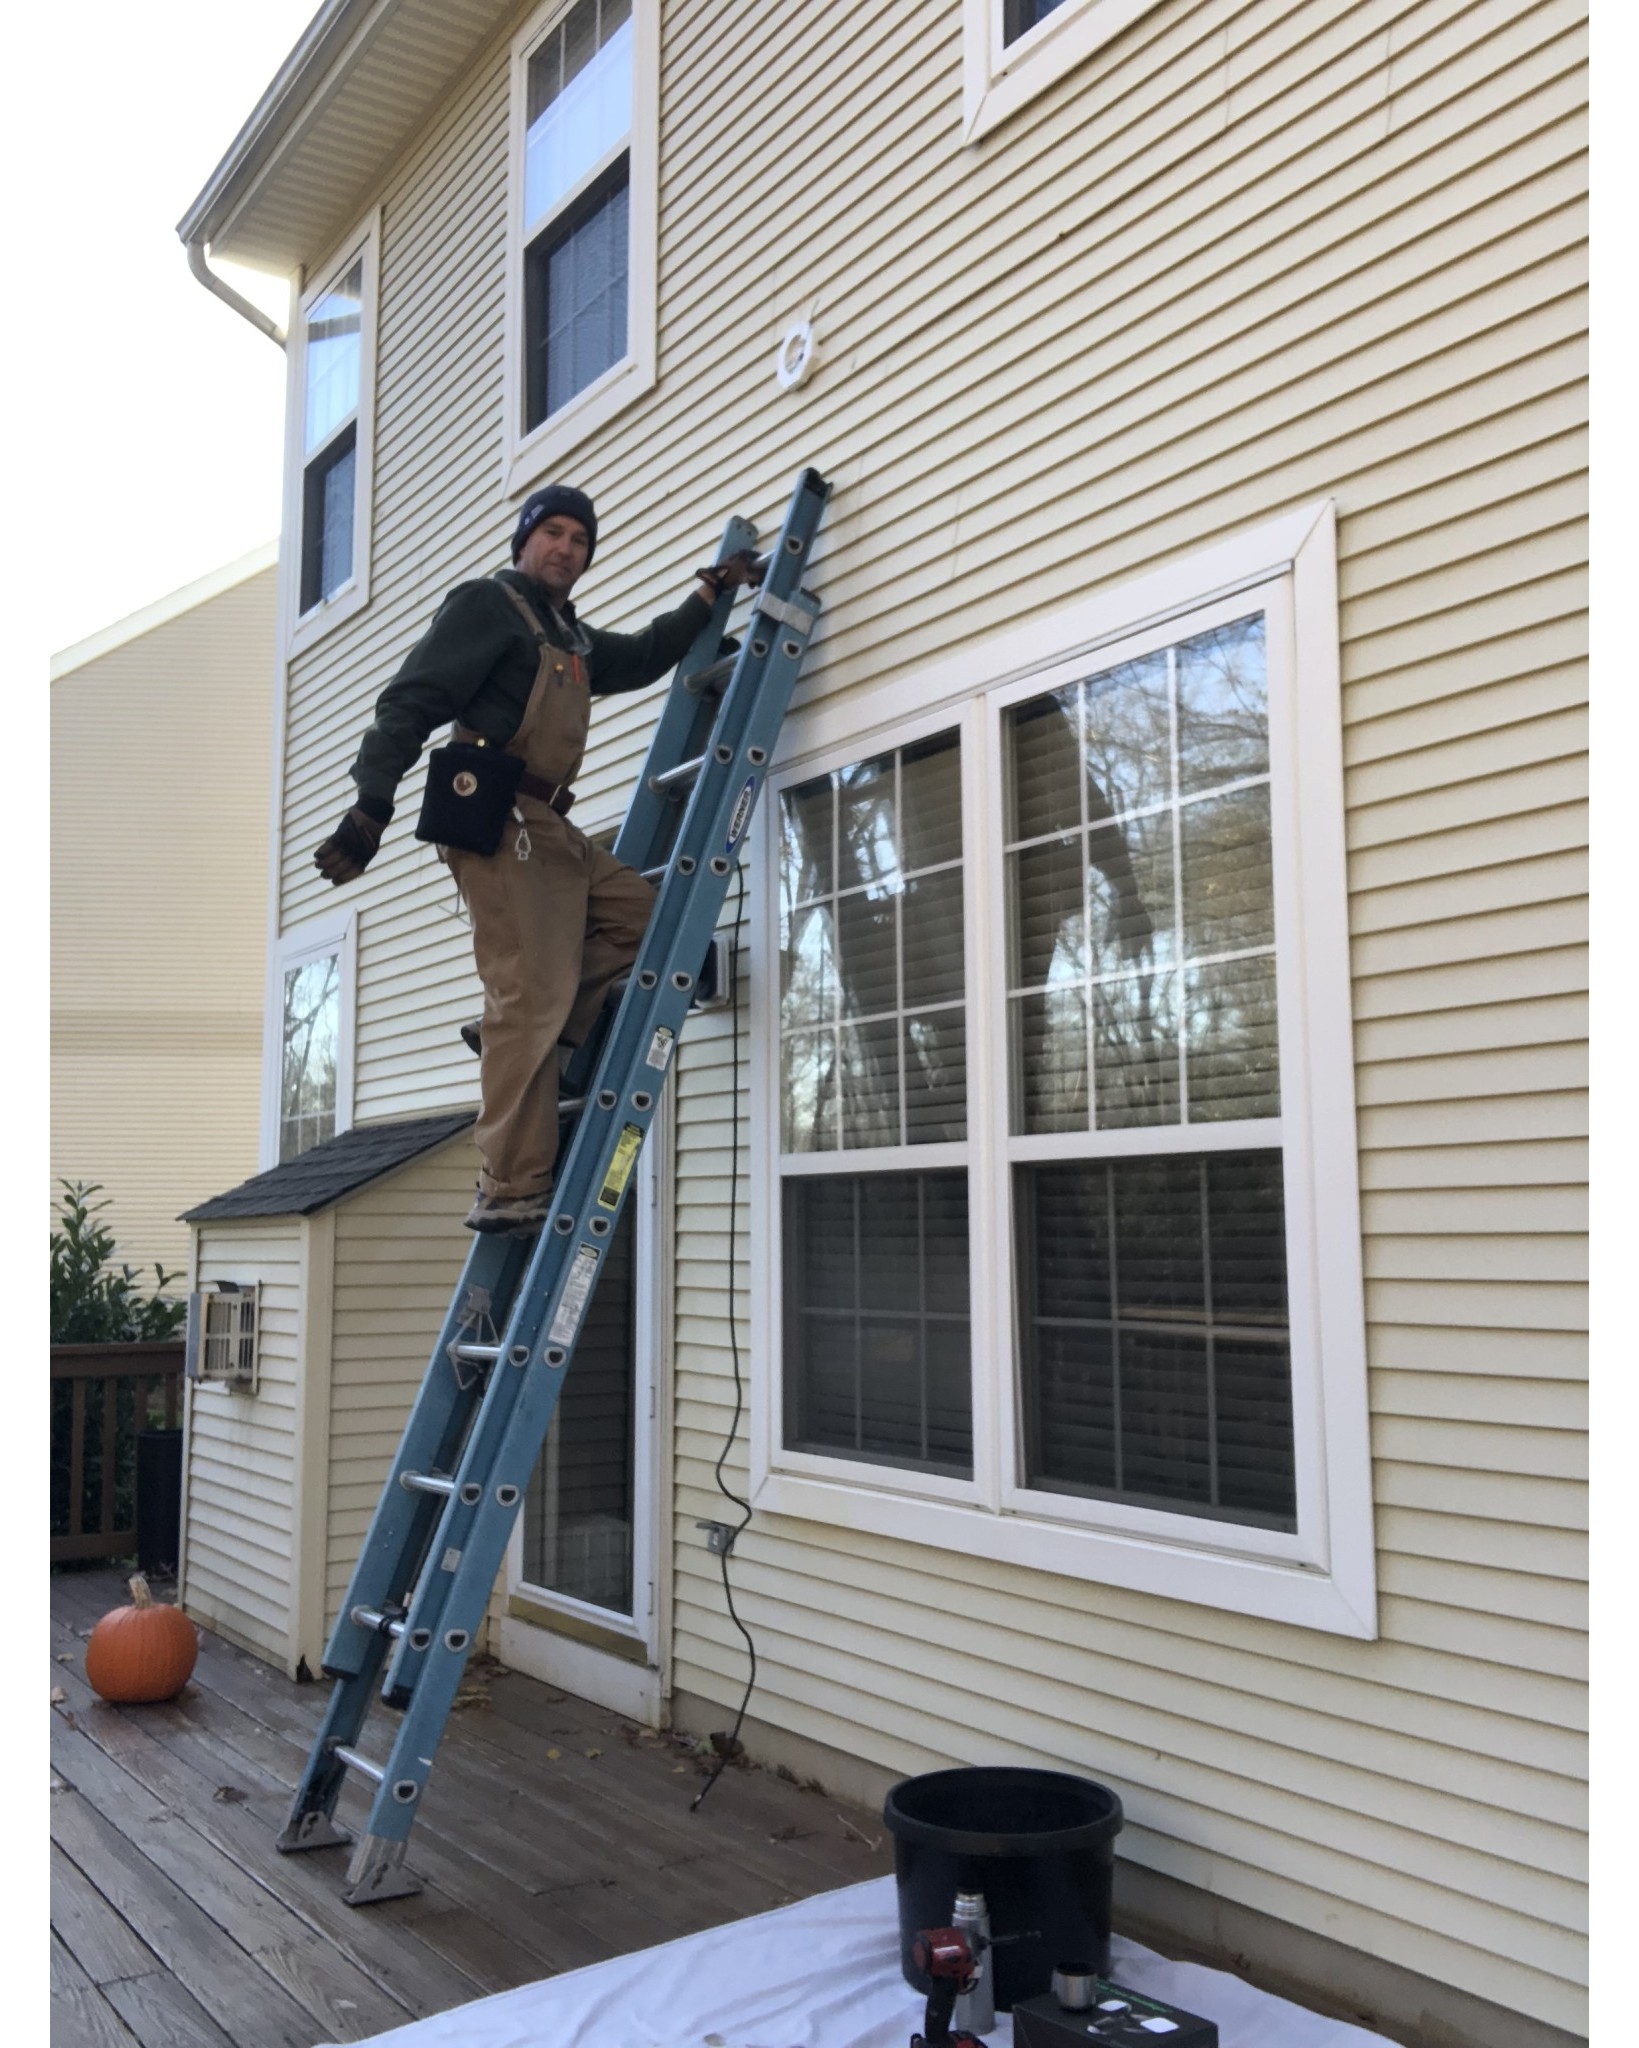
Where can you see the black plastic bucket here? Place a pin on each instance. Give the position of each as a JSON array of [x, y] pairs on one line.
[[1040, 1845]]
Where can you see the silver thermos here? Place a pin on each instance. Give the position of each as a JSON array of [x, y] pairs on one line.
[[975, 2009]]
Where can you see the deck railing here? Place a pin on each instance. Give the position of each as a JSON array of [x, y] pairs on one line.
[[101, 1395]]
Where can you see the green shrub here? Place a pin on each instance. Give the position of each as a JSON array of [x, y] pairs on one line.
[[93, 1301]]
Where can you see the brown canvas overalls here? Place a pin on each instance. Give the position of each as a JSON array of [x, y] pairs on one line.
[[554, 920]]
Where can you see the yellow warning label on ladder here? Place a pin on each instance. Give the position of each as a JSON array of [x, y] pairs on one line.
[[620, 1168]]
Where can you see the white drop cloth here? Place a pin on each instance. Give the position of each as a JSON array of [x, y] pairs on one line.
[[823, 1973]]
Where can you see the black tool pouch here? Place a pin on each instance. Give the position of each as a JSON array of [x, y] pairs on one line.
[[470, 792]]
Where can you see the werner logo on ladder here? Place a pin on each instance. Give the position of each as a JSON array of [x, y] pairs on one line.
[[440, 1531]]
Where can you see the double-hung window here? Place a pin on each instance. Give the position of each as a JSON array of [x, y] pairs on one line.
[[583, 208], [1062, 1257], [333, 371]]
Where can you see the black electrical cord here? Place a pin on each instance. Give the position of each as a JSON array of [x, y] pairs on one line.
[[744, 1506]]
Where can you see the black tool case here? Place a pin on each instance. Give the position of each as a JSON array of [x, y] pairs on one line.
[[1117, 2017]]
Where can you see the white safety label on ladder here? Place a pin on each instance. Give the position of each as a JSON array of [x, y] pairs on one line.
[[660, 1050], [577, 1291]]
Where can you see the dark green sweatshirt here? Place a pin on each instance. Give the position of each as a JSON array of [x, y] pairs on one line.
[[476, 664]]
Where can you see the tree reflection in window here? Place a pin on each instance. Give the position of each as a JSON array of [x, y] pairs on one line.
[[312, 1031], [1141, 893], [872, 1017]]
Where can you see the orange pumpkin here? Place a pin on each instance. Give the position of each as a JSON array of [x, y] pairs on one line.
[[142, 1652]]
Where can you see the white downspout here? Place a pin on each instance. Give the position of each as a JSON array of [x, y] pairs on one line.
[[224, 291]]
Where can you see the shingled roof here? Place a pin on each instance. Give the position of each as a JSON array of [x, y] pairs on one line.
[[329, 1171]]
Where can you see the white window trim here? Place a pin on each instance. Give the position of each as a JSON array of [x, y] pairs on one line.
[[528, 459], [998, 78], [1323, 1577], [336, 933], [354, 594]]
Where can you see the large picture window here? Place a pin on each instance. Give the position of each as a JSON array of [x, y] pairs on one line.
[[1056, 1023], [583, 206]]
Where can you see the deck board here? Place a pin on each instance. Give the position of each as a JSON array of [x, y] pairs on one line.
[[176, 1922]]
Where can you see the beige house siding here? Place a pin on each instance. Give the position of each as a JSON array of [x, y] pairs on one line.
[[1247, 256], [399, 1252], [160, 758], [239, 1492]]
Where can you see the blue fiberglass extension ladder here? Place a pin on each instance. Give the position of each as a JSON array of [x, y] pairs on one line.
[[440, 1530]]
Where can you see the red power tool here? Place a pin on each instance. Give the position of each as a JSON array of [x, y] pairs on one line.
[[946, 1955]]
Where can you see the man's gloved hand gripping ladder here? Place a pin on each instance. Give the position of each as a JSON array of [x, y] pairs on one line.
[[440, 1530]]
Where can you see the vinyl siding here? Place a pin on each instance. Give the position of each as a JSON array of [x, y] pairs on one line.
[[1245, 257], [160, 763], [399, 1252], [239, 1506]]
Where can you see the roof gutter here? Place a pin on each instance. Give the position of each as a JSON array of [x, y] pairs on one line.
[[225, 292]]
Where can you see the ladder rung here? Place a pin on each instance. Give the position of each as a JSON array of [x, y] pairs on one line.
[[677, 778], [656, 874], [713, 678], [372, 1617], [477, 1354], [365, 1767], [426, 1482]]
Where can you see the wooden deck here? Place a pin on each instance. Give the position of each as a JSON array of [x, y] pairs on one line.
[[553, 1834]]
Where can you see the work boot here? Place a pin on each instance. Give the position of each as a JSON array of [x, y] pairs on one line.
[[517, 1215], [472, 1037]]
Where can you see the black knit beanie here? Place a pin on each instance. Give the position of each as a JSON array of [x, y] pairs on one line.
[[556, 498]]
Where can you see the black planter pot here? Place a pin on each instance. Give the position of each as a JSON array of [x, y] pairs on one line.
[[159, 1499]]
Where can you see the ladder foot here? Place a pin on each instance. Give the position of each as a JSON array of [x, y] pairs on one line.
[[377, 1872], [314, 1830]]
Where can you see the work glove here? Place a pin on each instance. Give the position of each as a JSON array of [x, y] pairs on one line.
[[741, 568], [349, 850]]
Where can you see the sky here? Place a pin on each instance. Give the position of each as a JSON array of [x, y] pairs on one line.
[[165, 402]]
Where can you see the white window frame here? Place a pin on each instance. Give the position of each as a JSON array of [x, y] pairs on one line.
[[335, 933], [352, 596], [530, 457], [998, 78], [1323, 1575]]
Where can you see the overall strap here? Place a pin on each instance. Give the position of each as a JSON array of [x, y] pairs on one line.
[[519, 742], [531, 616]]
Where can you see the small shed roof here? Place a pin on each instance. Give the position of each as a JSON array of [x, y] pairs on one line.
[[327, 1172]]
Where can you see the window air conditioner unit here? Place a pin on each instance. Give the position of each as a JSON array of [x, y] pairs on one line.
[[222, 1331]]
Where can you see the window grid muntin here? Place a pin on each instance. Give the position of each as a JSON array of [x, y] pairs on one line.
[[1182, 964], [598, 184], [610, 17], [799, 1314], [979, 716], [1273, 1336], [792, 907]]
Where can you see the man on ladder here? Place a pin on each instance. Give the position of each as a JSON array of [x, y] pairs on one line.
[[554, 918]]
